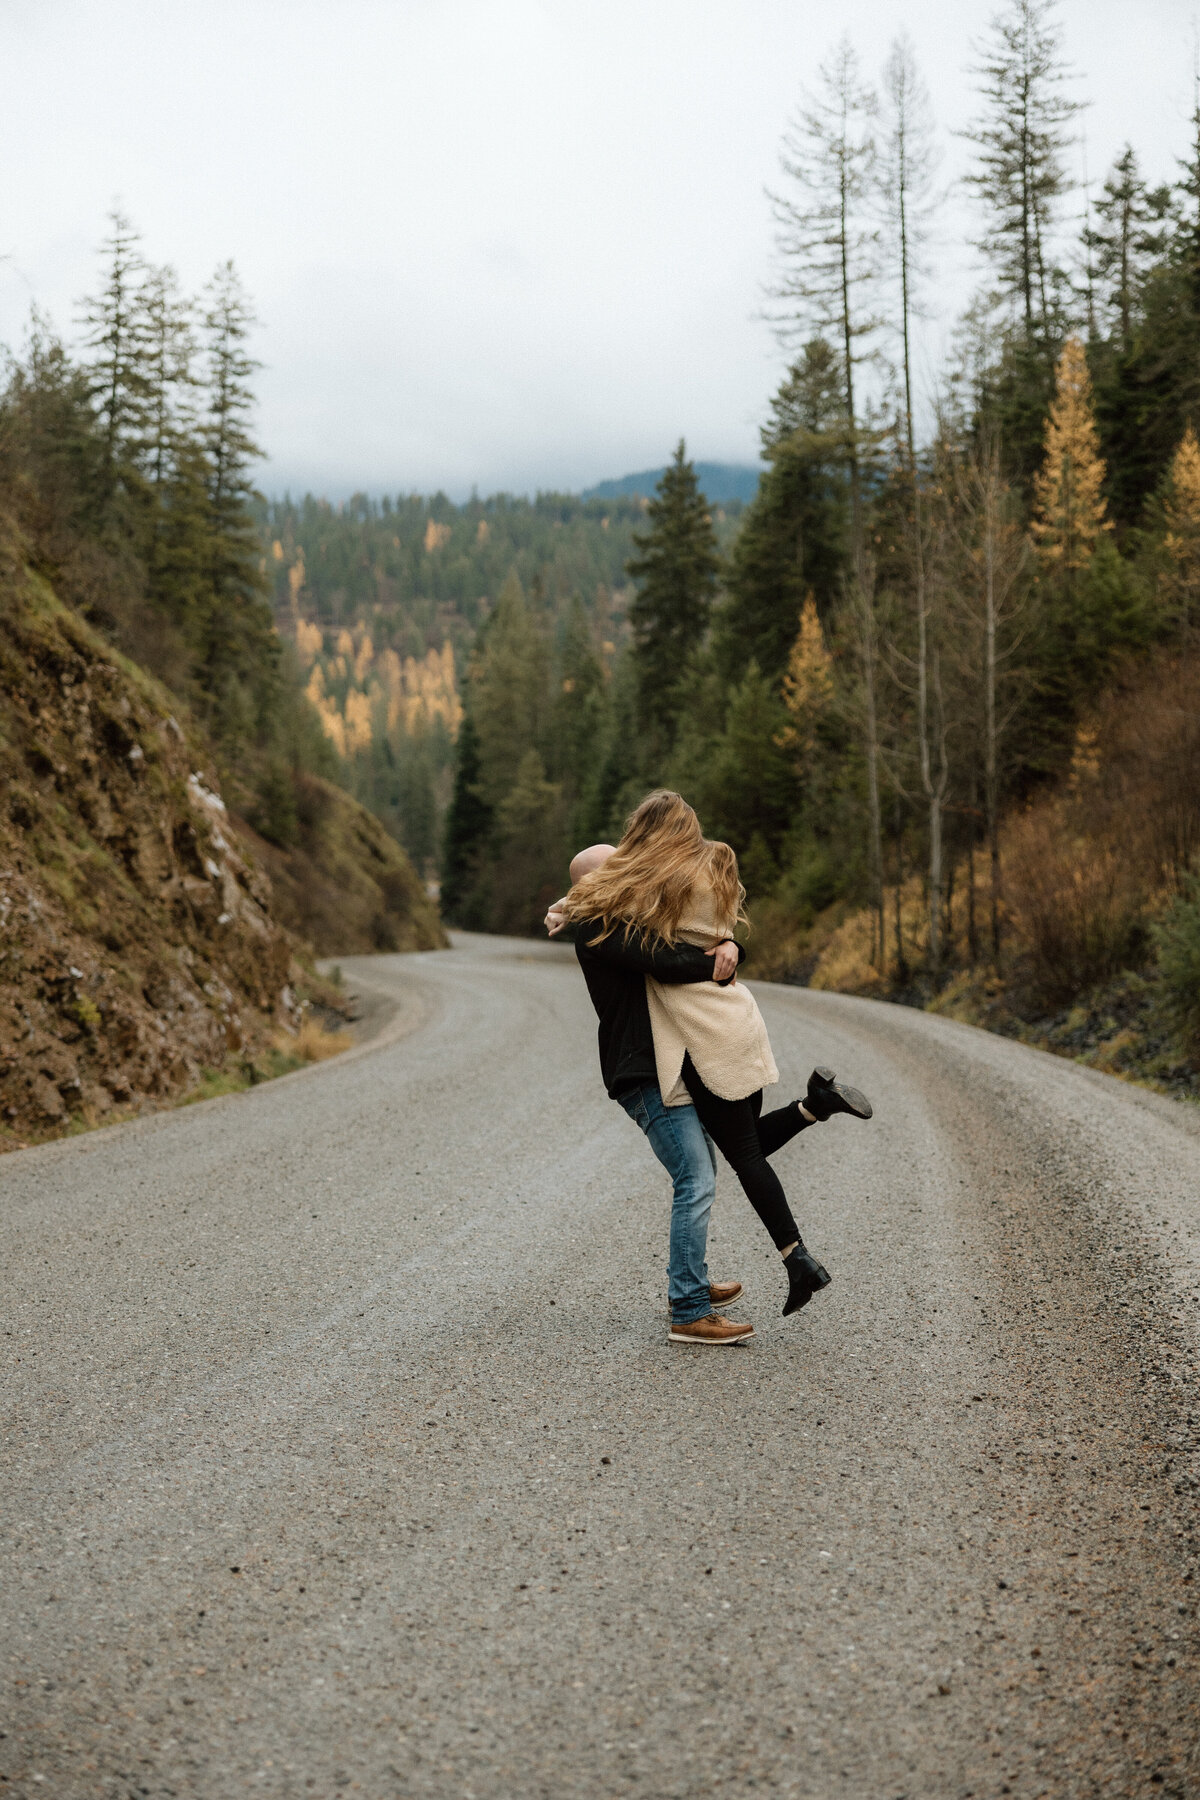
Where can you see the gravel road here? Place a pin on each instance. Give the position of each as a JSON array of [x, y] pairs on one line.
[[344, 1451]]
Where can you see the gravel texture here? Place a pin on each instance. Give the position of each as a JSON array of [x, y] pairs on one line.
[[345, 1452]]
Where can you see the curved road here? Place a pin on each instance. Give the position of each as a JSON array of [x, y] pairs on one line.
[[344, 1452]]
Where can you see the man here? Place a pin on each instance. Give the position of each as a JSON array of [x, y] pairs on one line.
[[615, 971], [615, 967]]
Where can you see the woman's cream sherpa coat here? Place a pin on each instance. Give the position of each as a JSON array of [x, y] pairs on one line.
[[721, 1027]]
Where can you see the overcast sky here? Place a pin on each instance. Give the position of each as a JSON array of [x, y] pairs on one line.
[[509, 244]]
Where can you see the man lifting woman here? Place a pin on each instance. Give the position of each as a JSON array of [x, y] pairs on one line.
[[683, 1046]]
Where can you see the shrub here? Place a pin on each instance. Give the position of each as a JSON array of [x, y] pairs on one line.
[[1078, 906], [1177, 939]]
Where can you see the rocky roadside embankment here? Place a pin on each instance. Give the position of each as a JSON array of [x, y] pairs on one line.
[[140, 948]]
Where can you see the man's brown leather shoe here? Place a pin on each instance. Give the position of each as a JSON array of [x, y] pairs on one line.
[[720, 1295], [711, 1329]]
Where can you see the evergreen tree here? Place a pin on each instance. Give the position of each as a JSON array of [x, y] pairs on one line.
[[623, 777], [743, 781], [807, 686], [1021, 174], [415, 802], [793, 539], [1138, 371], [1125, 244], [579, 719], [508, 685], [170, 424], [52, 459], [1090, 605], [675, 568], [467, 834], [227, 436], [827, 236], [115, 332], [1181, 509], [532, 858], [809, 401], [1162, 373], [238, 648], [1070, 508]]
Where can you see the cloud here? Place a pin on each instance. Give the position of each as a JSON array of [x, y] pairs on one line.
[[497, 242]]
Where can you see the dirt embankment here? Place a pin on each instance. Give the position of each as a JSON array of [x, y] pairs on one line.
[[137, 944], [142, 950], [347, 888]]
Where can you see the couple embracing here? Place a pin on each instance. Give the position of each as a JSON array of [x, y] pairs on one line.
[[683, 1046]]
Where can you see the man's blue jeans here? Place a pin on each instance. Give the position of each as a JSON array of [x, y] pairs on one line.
[[685, 1150]]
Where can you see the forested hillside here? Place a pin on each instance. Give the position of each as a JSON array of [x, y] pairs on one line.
[[928, 652], [149, 721], [382, 602]]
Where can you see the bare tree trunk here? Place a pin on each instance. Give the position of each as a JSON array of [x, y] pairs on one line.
[[864, 594], [972, 925], [898, 830], [909, 178], [931, 741], [991, 797], [972, 928]]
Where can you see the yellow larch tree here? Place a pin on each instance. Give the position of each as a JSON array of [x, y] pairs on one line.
[[1182, 511], [1069, 516], [808, 683]]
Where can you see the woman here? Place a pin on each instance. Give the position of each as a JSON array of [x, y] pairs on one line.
[[710, 1042]]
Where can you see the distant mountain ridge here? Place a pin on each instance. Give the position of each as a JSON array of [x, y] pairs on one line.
[[719, 483]]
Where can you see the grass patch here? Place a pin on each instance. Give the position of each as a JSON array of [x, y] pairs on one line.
[[282, 1056], [314, 1042]]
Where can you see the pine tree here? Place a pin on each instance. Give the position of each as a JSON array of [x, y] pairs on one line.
[[532, 857], [227, 436], [808, 685], [1143, 362], [1181, 510], [579, 719], [827, 236], [467, 834], [1125, 244], [810, 400], [1021, 175], [238, 646], [52, 463], [675, 568], [115, 328], [170, 424], [743, 780], [1091, 602], [509, 698], [1186, 245], [1069, 520], [793, 536]]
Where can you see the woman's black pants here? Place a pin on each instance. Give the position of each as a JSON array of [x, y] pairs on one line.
[[746, 1139]]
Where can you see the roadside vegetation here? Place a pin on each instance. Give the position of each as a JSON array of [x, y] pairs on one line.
[[940, 688], [174, 848]]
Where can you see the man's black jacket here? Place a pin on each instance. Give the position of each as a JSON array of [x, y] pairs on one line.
[[615, 971]]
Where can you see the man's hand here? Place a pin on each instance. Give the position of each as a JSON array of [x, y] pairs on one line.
[[555, 920], [725, 961]]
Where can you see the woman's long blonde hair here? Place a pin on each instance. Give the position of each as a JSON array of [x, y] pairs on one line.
[[650, 878]]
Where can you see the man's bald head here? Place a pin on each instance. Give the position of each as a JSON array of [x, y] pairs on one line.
[[590, 859]]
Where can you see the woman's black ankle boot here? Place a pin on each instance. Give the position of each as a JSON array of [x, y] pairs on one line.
[[805, 1276]]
